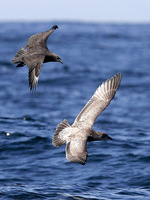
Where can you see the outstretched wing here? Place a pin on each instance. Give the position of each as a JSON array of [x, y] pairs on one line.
[[76, 150], [99, 101], [38, 41], [34, 63]]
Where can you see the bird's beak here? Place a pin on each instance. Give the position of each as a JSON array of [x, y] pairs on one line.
[[109, 138], [61, 61]]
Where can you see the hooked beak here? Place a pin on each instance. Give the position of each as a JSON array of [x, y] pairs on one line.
[[61, 61], [109, 138]]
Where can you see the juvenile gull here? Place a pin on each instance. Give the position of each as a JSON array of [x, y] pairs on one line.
[[77, 135], [35, 55]]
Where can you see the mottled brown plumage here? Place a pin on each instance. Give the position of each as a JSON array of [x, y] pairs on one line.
[[35, 54], [77, 135]]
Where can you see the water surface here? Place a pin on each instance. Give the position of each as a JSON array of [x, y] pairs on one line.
[[31, 167]]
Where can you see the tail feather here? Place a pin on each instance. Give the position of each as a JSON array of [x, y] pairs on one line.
[[19, 55], [58, 138]]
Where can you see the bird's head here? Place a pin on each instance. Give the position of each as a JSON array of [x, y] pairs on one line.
[[57, 59], [98, 136], [103, 136]]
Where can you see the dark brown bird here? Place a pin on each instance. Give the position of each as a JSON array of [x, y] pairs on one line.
[[77, 135], [35, 55]]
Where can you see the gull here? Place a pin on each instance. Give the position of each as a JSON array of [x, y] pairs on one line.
[[76, 135], [35, 54]]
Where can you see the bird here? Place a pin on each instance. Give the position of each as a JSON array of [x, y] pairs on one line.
[[80, 132], [35, 54]]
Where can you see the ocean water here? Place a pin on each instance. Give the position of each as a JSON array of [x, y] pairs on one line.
[[30, 166]]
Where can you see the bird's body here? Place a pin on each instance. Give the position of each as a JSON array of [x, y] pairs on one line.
[[81, 131], [35, 54]]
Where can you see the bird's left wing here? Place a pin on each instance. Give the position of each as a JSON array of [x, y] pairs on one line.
[[99, 101], [38, 41]]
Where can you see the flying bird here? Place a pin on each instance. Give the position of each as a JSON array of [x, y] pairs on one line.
[[76, 135], [35, 54]]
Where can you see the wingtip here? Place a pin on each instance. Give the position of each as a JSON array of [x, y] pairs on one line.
[[55, 27], [116, 77], [119, 75], [32, 89]]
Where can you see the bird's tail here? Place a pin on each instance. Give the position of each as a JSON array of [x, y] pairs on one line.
[[58, 138], [19, 55]]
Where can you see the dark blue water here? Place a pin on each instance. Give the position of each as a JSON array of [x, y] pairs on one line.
[[30, 166]]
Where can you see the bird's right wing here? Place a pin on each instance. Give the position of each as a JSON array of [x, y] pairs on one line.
[[99, 101], [76, 150], [38, 41], [34, 63]]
